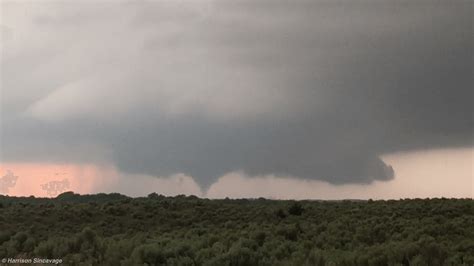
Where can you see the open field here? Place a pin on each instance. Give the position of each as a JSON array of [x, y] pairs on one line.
[[113, 229]]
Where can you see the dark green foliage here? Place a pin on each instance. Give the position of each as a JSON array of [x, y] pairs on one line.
[[295, 209], [112, 229], [280, 214]]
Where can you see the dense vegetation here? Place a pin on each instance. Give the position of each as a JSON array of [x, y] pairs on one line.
[[156, 230]]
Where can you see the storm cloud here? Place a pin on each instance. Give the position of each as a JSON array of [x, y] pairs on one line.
[[308, 89]]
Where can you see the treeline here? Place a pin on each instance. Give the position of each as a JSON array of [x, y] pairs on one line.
[[112, 229]]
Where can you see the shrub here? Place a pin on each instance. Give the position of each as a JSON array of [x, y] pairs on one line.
[[295, 209]]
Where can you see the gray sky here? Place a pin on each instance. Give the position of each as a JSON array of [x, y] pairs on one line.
[[307, 89]]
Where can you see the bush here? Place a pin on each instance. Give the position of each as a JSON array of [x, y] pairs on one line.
[[148, 254], [295, 209]]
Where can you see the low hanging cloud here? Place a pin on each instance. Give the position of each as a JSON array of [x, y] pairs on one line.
[[308, 89]]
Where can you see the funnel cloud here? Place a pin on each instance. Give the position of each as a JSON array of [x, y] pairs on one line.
[[308, 89]]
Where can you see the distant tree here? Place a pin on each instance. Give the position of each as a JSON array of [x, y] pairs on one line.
[[153, 195], [295, 209]]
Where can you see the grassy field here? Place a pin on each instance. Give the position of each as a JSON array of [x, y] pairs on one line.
[[112, 229]]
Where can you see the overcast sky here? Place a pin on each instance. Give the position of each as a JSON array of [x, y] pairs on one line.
[[313, 90]]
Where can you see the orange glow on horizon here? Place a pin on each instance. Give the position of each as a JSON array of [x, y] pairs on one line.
[[81, 178], [431, 173]]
